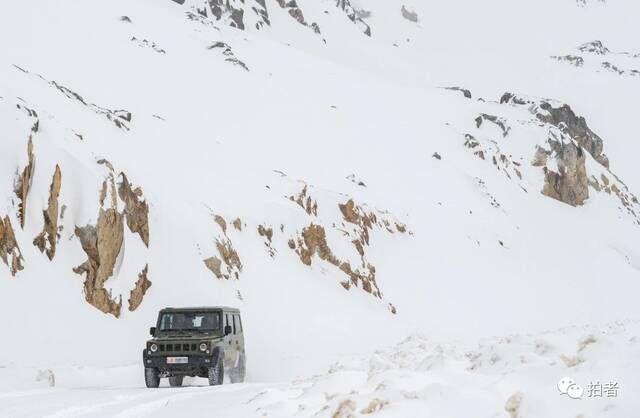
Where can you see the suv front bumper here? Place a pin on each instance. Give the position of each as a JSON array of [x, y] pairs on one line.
[[194, 362]]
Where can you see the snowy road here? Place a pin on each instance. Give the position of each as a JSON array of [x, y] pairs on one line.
[[129, 402], [493, 377]]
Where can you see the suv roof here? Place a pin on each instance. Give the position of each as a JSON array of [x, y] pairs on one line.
[[202, 308]]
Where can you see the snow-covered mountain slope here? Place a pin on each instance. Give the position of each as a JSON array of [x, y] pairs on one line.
[[347, 173]]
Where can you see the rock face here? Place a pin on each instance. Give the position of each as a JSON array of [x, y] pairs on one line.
[[296, 13], [102, 244], [411, 16], [313, 241], [9, 250], [23, 184], [47, 240], [229, 9], [305, 202], [228, 263], [576, 127], [594, 47], [354, 15], [142, 285], [136, 209], [569, 184]]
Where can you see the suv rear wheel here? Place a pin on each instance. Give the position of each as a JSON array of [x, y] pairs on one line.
[[237, 373], [151, 378], [175, 381]]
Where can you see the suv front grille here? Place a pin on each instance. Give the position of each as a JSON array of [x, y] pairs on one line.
[[178, 348]]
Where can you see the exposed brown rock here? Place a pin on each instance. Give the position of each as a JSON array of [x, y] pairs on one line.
[[220, 221], [142, 285], [375, 405], [237, 224], [102, 244], [349, 211], [306, 202], [346, 409], [47, 240], [9, 249], [314, 242], [570, 184], [136, 209], [229, 257], [541, 157], [214, 264], [265, 232], [23, 185]]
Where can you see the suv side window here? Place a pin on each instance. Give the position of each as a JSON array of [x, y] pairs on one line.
[[240, 324], [235, 327]]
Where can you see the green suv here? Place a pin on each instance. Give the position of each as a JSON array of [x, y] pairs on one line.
[[201, 342]]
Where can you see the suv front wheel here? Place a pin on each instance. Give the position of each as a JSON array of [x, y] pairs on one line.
[[151, 377], [216, 373]]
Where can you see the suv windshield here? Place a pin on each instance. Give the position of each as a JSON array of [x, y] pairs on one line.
[[190, 321]]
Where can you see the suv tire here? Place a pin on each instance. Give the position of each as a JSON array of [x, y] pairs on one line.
[[151, 377], [237, 374], [175, 381], [216, 373]]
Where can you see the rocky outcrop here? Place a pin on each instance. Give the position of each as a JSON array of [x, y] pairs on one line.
[[613, 186], [354, 15], [23, 184], [47, 240], [267, 234], [142, 285], [119, 117], [574, 60], [594, 47], [230, 9], [313, 241], [576, 127], [102, 243], [228, 263], [227, 52], [410, 15], [9, 250], [305, 201], [136, 209], [499, 122], [465, 92], [569, 184], [221, 222], [291, 6]]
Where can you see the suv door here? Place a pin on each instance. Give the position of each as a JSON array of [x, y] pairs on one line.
[[240, 335], [229, 343]]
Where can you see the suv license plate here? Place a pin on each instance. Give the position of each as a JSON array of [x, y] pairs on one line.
[[177, 360]]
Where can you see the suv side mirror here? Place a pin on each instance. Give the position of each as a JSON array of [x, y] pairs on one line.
[[227, 330], [152, 331]]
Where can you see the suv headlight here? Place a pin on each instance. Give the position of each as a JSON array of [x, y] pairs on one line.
[[203, 347], [153, 348]]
